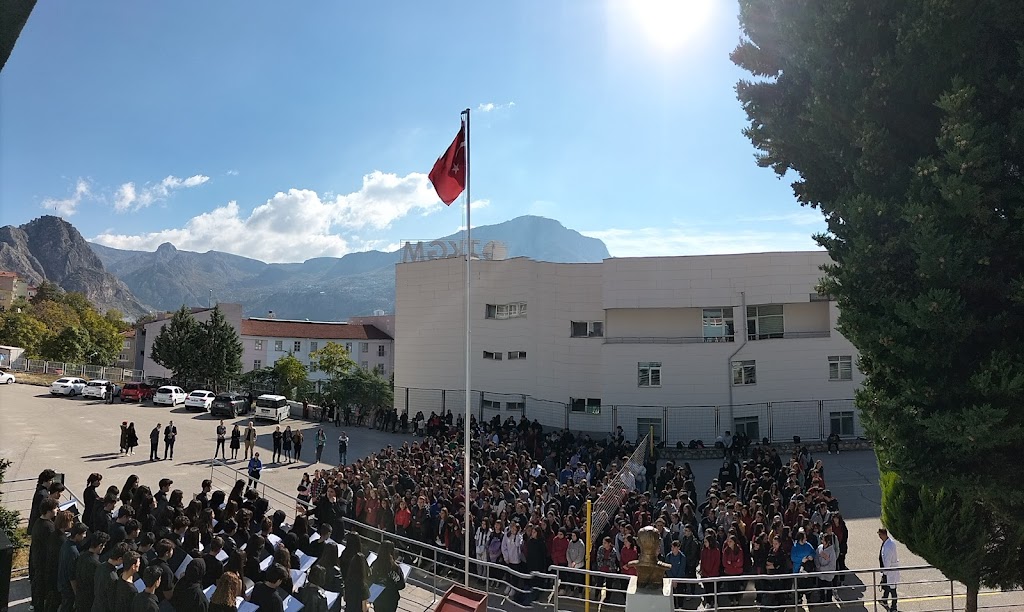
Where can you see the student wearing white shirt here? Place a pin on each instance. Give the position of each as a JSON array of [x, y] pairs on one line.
[[888, 559]]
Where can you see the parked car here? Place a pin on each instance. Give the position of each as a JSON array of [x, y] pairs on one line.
[[229, 404], [199, 399], [272, 407], [170, 396], [137, 392], [68, 385], [6, 378], [98, 389]]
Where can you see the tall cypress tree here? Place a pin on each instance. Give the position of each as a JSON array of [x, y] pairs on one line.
[[178, 346], [221, 350], [904, 123]]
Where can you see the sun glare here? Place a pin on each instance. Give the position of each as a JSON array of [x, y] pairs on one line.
[[669, 24]]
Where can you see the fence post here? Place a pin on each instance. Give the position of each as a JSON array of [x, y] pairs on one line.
[[874, 590], [771, 424], [821, 420], [554, 591]]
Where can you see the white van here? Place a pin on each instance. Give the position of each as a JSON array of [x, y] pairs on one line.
[[272, 407]]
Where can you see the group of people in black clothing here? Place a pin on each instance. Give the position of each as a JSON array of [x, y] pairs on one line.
[[130, 549]]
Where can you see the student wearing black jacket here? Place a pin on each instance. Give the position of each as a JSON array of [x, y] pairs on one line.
[[146, 601], [62, 525], [264, 593], [214, 567], [124, 592], [188, 593], [105, 579], [85, 570], [42, 532]]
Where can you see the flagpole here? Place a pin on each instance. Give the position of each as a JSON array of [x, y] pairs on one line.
[[469, 348]]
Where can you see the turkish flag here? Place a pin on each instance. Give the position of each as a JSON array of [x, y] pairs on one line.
[[449, 172]]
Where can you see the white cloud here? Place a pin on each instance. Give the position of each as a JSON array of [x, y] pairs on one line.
[[131, 198], [232, 173], [477, 204], [669, 241], [68, 206], [487, 107], [298, 224]]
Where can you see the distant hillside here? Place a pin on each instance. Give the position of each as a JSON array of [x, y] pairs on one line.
[[49, 248], [325, 288]]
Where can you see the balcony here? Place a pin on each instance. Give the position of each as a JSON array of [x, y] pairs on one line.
[[711, 339]]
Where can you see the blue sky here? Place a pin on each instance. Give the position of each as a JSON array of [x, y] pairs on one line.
[[287, 131]]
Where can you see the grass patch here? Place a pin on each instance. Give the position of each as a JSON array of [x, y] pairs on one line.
[[39, 380]]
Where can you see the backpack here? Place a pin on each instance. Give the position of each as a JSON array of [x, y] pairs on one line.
[[313, 598]]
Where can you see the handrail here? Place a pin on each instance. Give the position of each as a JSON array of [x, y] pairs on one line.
[[244, 475]]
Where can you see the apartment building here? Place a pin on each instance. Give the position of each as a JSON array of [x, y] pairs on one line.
[[12, 287], [636, 342], [126, 359], [265, 340]]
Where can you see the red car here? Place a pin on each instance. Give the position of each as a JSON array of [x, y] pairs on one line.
[[137, 392]]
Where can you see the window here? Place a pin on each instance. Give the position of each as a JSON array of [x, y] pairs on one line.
[[259, 344], [648, 374], [380, 350], [744, 372], [492, 355], [297, 346], [588, 405], [587, 329], [313, 345], [364, 347], [747, 425], [765, 322], [126, 344], [122, 357], [718, 325], [644, 425], [379, 369], [517, 406], [840, 367], [505, 311], [841, 423], [517, 354], [348, 347], [491, 404], [365, 365], [278, 345], [257, 364]]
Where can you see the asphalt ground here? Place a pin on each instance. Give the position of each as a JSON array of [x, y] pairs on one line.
[[78, 436]]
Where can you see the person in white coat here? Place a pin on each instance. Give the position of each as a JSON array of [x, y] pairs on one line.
[[889, 561]]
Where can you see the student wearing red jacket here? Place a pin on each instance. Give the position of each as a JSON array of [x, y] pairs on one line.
[[710, 567], [733, 559], [559, 547]]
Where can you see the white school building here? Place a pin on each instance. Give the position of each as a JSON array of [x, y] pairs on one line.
[[691, 346]]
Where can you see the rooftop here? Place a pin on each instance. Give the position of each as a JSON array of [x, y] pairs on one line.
[[326, 330]]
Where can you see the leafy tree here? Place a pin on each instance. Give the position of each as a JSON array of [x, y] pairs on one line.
[[9, 519], [290, 374], [55, 315], [903, 123], [47, 292], [24, 330], [70, 345], [934, 521], [177, 346], [105, 340], [221, 349], [262, 379], [332, 359]]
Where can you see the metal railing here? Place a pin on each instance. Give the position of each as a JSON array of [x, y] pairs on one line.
[[89, 371], [440, 568], [926, 590], [713, 339]]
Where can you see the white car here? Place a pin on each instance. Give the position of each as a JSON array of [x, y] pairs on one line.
[[98, 388], [199, 399], [171, 396], [67, 386], [6, 378]]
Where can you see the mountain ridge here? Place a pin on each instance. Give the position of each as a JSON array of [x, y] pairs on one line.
[[322, 288]]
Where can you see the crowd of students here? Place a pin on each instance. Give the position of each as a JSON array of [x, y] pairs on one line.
[[132, 549], [762, 515]]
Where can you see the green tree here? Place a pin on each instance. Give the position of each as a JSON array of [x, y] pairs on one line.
[[105, 341], [47, 292], [55, 315], [290, 374], [333, 360], [221, 349], [260, 380], [903, 124], [70, 345], [24, 330], [9, 519], [178, 346]]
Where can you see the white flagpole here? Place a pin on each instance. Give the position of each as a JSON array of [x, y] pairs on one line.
[[469, 347]]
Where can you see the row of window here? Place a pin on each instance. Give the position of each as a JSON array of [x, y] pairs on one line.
[[379, 368], [364, 347], [496, 405], [513, 310], [840, 367], [498, 355]]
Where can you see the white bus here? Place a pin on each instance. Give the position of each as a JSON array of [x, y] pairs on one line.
[[272, 407]]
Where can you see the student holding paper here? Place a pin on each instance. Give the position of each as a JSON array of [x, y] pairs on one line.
[[188, 593], [387, 574], [357, 595], [124, 592], [264, 594], [214, 560], [146, 600], [229, 589]]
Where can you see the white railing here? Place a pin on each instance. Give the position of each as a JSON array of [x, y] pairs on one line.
[[61, 368]]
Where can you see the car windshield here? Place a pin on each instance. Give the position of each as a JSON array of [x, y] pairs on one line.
[[165, 390], [63, 380], [97, 383]]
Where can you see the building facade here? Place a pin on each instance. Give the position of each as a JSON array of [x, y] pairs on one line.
[[687, 346], [146, 334], [265, 340], [126, 359], [12, 287]]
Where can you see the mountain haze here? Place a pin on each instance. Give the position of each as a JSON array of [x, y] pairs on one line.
[[323, 288], [49, 248]]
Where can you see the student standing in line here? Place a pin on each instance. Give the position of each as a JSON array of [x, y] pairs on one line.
[[343, 448], [321, 442], [249, 439], [286, 443], [297, 443], [221, 435], [236, 441], [170, 434], [277, 444], [133, 438]]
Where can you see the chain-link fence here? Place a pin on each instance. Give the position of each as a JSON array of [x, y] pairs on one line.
[[607, 504], [89, 371], [673, 425]]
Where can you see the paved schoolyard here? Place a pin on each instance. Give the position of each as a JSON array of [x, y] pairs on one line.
[[78, 436]]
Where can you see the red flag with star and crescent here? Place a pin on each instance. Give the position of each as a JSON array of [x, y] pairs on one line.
[[449, 172]]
